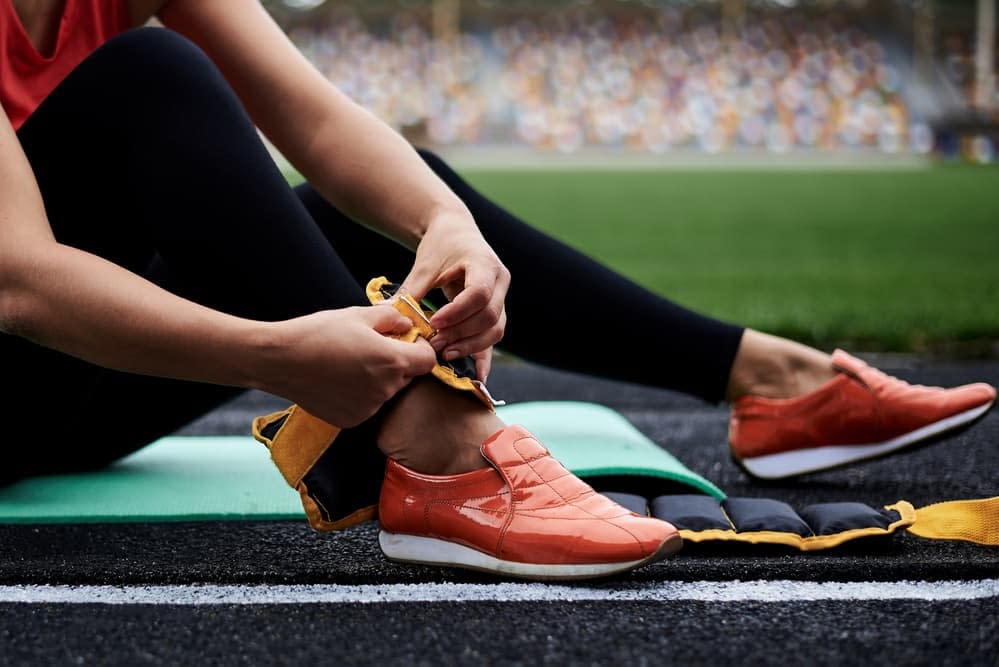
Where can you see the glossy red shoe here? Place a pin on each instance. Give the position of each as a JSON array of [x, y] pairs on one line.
[[860, 414], [525, 516]]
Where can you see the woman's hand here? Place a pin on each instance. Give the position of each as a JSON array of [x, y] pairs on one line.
[[454, 257], [342, 365]]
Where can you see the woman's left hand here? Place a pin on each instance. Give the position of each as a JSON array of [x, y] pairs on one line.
[[454, 257]]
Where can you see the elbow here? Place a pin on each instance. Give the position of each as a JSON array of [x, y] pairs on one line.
[[15, 304], [13, 320]]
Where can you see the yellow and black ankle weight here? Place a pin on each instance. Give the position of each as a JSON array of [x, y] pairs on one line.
[[338, 472], [763, 521]]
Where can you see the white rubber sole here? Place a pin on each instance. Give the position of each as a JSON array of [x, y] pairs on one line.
[[432, 551], [801, 461]]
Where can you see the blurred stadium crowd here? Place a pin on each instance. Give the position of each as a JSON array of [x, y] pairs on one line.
[[651, 81]]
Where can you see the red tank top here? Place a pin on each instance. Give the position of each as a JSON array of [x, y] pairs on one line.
[[27, 77]]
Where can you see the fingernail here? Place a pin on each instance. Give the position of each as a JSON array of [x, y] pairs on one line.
[[451, 355]]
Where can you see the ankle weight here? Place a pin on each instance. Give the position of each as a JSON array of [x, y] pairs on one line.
[[766, 521], [338, 473], [762, 521]]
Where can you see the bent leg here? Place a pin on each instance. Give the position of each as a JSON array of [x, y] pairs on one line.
[[145, 157], [196, 205]]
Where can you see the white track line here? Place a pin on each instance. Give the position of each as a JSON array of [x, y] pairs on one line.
[[705, 591]]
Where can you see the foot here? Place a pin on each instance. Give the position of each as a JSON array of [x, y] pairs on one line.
[[523, 516], [860, 413], [774, 367]]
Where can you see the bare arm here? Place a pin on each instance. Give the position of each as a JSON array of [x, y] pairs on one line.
[[80, 304], [62, 297], [358, 163]]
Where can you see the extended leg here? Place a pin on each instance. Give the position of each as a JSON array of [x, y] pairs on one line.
[[636, 336], [796, 409]]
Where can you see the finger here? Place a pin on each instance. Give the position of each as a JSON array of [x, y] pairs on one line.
[[419, 281], [487, 317], [491, 317], [482, 286], [386, 320], [483, 363], [474, 344], [419, 358], [469, 301]]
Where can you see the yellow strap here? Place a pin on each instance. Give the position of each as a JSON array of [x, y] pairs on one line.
[[406, 305], [969, 520], [299, 442]]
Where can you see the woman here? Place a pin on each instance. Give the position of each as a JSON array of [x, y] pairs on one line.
[[153, 264]]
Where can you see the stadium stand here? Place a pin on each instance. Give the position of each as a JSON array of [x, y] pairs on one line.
[[627, 75]]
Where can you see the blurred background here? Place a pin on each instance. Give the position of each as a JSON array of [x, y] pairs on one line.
[[820, 169], [653, 76]]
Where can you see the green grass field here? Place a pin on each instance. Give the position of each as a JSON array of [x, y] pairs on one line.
[[878, 259]]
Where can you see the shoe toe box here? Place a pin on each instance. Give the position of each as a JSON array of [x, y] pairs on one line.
[[587, 540]]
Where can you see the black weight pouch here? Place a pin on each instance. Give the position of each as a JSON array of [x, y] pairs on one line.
[[762, 521]]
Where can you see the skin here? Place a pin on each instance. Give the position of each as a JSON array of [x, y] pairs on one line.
[[80, 304]]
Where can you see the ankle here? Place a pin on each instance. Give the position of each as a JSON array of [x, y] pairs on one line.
[[435, 430], [773, 367]]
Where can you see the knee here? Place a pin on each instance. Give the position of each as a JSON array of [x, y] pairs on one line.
[[153, 65], [153, 52]]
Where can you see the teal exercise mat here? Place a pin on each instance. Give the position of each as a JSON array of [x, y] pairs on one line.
[[232, 478], [601, 446], [173, 479]]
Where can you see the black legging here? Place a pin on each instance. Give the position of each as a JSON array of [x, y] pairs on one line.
[[145, 157]]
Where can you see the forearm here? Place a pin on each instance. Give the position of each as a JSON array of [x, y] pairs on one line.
[[84, 306], [380, 180]]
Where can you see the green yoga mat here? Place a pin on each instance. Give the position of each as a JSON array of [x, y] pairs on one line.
[[232, 478]]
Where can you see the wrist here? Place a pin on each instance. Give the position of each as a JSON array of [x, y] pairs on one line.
[[445, 216], [265, 349]]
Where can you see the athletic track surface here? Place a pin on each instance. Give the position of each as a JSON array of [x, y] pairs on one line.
[[278, 593]]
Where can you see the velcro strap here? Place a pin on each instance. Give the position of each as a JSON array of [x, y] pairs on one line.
[[408, 307], [458, 374], [967, 520]]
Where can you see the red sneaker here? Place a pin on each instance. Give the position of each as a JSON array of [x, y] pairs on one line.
[[860, 414], [525, 516]]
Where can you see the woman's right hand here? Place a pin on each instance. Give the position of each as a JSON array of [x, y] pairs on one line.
[[342, 365]]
